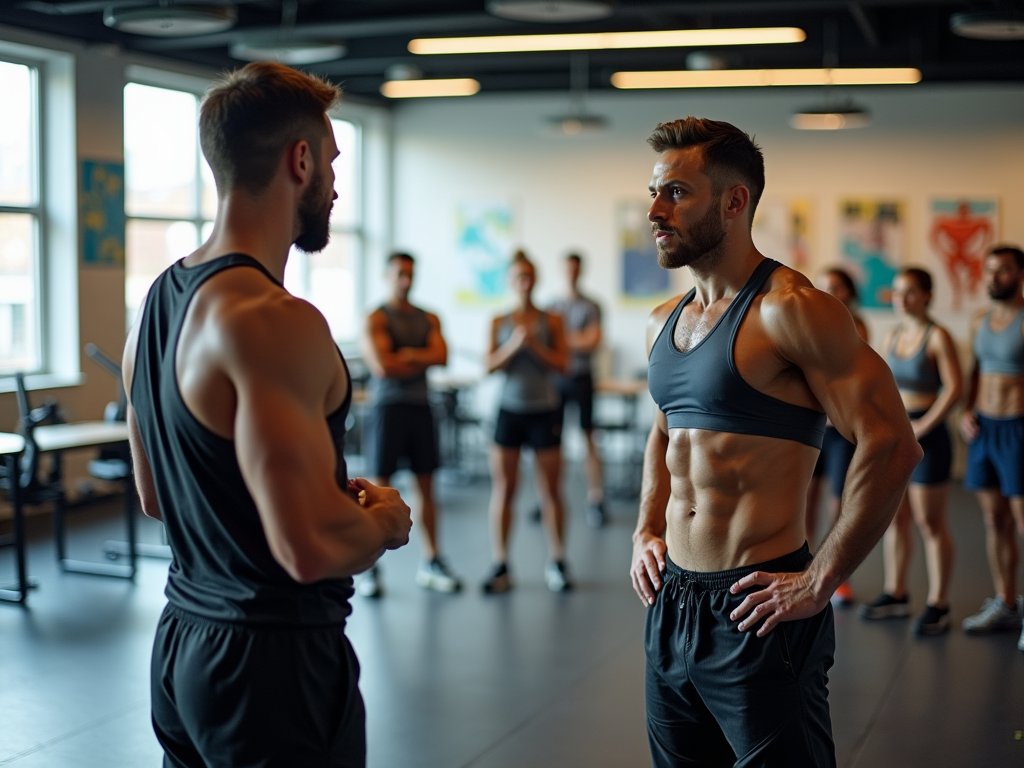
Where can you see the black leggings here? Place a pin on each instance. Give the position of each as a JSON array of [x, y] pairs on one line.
[[242, 696], [720, 697]]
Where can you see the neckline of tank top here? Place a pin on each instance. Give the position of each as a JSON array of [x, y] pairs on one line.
[[692, 293], [920, 349], [250, 260], [1014, 323]]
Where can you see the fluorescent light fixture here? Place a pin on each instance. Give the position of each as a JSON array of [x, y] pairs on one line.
[[747, 78], [991, 25], [421, 89], [830, 119], [574, 125], [595, 41]]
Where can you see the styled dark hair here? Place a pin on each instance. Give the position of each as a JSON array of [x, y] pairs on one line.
[[922, 277], [727, 151], [400, 256], [253, 115], [846, 280], [574, 257], [520, 257], [1009, 250]]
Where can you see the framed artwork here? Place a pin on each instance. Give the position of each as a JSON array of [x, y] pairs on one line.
[[960, 232], [101, 213], [485, 238], [643, 280], [872, 246]]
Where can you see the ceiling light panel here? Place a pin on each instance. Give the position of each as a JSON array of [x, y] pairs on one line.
[[748, 78], [421, 89], [679, 38]]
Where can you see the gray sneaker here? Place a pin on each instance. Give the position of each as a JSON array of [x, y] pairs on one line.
[[994, 616], [436, 575]]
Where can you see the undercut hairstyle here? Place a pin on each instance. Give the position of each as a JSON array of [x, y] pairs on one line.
[[728, 153], [846, 280], [249, 118], [922, 277], [1009, 250], [400, 256]]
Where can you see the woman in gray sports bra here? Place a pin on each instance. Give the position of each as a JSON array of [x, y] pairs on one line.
[[528, 346], [924, 363]]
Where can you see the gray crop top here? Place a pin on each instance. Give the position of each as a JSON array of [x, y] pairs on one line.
[[1001, 352], [917, 373]]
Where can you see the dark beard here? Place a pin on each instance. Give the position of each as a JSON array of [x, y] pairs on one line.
[[315, 218], [1002, 294], [704, 243]]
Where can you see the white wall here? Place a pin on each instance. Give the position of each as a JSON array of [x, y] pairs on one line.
[[925, 141]]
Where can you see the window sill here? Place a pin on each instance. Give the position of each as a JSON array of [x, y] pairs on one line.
[[43, 381]]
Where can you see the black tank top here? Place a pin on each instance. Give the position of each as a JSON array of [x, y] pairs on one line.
[[701, 389], [222, 567], [406, 329]]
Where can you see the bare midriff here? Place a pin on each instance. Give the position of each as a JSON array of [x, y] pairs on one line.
[[736, 499], [917, 401], [1000, 395]]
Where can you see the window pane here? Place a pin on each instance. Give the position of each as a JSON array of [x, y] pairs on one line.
[[346, 174], [327, 280], [151, 247], [160, 151], [17, 131], [19, 303]]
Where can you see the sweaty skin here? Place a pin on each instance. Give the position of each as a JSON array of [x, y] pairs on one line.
[[716, 501]]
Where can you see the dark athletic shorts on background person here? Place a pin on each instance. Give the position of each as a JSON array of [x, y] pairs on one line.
[[228, 694], [996, 457], [579, 390], [834, 460], [400, 436], [720, 697], [938, 454], [536, 430]]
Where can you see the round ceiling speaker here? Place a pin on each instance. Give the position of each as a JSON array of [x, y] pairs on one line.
[[550, 10], [172, 20], [291, 52], [993, 25]]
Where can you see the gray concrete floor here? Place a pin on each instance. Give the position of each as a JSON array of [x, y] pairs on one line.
[[528, 679]]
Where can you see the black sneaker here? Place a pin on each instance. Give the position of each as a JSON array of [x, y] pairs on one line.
[[536, 515], [885, 607], [498, 581], [934, 621], [596, 516]]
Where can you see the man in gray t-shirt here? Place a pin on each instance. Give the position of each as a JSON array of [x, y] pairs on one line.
[[582, 320]]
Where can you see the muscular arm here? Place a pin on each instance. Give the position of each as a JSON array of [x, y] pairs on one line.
[[585, 340], [813, 332], [140, 462], [375, 344], [942, 346], [276, 360], [435, 353]]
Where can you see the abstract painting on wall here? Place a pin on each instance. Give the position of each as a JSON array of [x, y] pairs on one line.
[[960, 232], [101, 213], [642, 279], [485, 239], [872, 246], [782, 230]]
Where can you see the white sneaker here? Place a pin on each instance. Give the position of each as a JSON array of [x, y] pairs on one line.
[[435, 574], [994, 616], [556, 577], [369, 584]]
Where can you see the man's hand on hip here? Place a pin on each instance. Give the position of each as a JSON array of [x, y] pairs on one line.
[[784, 597], [647, 567]]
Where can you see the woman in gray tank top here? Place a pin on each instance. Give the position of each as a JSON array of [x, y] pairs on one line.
[[528, 346], [924, 362]]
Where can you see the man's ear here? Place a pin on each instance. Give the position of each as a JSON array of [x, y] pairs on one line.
[[737, 201], [301, 165]]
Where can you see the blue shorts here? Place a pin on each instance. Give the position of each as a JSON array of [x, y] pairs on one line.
[[996, 457], [938, 455]]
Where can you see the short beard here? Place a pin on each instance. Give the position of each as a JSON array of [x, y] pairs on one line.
[[314, 217], [702, 247], [1003, 294]]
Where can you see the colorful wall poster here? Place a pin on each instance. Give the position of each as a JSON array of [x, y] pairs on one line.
[[782, 230], [872, 246], [960, 232], [642, 278], [101, 213], [485, 240]]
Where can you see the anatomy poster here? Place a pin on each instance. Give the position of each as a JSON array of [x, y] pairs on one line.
[[872, 246], [782, 231], [960, 232]]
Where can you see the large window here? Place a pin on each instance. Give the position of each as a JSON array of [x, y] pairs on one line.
[[171, 202], [20, 219]]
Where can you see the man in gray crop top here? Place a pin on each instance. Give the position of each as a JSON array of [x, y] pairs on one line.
[[581, 317], [993, 426], [399, 343], [739, 632]]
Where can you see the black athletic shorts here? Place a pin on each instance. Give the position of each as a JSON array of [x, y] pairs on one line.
[[580, 390], [398, 436], [720, 697], [536, 430], [834, 460], [228, 694], [938, 455]]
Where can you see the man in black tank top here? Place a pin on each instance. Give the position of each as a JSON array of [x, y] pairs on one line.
[[399, 343], [237, 405], [744, 368]]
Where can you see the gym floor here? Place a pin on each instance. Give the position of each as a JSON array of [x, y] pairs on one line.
[[525, 679]]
